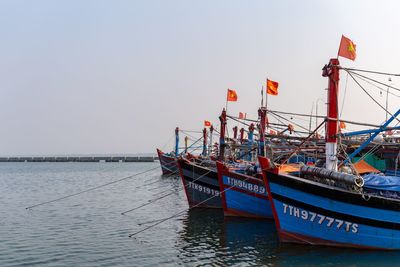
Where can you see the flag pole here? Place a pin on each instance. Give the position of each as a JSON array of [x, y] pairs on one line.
[[266, 103], [266, 96], [341, 39], [226, 104], [262, 95]]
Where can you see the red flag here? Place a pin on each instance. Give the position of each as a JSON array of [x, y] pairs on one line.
[[272, 87], [207, 123], [231, 96], [241, 116], [347, 48]]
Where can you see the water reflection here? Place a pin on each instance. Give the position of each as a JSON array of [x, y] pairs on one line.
[[302, 255], [209, 238]]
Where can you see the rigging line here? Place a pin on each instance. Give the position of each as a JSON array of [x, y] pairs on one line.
[[189, 131], [296, 114], [93, 188], [376, 81], [370, 71], [169, 140], [360, 123], [298, 125], [269, 123], [344, 95], [193, 144], [242, 120], [347, 157], [370, 152], [323, 117], [372, 97], [372, 84], [152, 201], [182, 211], [190, 136], [274, 116], [304, 141], [235, 119]]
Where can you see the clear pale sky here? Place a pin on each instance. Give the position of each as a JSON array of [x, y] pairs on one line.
[[81, 77]]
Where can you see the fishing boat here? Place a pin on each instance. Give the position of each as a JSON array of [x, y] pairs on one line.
[[200, 183], [199, 174], [243, 193], [168, 161], [324, 206]]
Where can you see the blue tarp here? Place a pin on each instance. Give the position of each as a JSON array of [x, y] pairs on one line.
[[381, 182]]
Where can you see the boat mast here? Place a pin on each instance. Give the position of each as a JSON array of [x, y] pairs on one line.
[[262, 113], [332, 72], [176, 141], [204, 153], [222, 120], [250, 141], [186, 144], [235, 130], [241, 135], [210, 143]]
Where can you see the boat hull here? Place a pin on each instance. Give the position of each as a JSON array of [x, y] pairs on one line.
[[200, 184], [307, 212], [168, 164], [243, 195]]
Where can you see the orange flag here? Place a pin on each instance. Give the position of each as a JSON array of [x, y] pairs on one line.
[[347, 48], [231, 96], [242, 115], [342, 125], [272, 87], [207, 123]]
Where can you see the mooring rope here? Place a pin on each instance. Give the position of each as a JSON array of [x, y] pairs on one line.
[[156, 199], [94, 188], [182, 211]]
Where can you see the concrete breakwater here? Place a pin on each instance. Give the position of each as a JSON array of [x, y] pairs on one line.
[[80, 159]]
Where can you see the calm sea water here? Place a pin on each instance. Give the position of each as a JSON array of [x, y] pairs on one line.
[[89, 230]]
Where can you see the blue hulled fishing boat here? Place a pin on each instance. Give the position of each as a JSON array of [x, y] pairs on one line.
[[243, 195], [322, 206], [243, 192]]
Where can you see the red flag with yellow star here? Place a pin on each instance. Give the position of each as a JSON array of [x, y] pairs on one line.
[[347, 48], [232, 96]]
